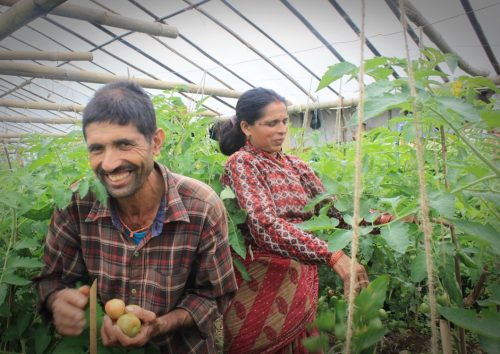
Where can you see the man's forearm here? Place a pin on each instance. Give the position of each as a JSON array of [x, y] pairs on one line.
[[173, 321]]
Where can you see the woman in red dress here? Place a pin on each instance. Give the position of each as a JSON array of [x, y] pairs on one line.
[[270, 312]]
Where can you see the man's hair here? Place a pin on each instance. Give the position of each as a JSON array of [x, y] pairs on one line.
[[122, 103]]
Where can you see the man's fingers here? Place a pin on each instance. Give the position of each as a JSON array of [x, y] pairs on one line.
[[107, 335], [144, 315], [85, 290]]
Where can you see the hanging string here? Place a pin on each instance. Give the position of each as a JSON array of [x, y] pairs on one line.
[[424, 204], [357, 188]]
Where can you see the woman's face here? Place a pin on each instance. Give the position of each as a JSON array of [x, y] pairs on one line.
[[268, 132]]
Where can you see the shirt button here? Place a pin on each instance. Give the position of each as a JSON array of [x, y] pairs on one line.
[[136, 254], [133, 291]]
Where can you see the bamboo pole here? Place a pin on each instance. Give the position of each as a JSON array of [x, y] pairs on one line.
[[107, 18], [46, 72], [5, 102], [42, 55], [23, 12], [43, 120]]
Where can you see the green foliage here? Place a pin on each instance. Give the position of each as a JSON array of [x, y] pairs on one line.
[[368, 328], [464, 190]]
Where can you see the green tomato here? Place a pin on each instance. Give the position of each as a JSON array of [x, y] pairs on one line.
[[382, 314], [443, 299], [424, 307]]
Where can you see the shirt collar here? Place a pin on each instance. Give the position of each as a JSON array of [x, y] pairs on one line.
[[256, 151], [171, 208]]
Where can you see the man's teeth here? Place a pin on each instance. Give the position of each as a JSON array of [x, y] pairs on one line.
[[119, 176]]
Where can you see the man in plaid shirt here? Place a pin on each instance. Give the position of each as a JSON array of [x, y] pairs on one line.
[[160, 240]]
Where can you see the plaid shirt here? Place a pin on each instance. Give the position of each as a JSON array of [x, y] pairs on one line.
[[187, 265], [274, 191]]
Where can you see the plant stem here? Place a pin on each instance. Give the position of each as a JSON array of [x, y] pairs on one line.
[[485, 178], [467, 142]]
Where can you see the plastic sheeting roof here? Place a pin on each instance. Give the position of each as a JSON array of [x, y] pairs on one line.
[[302, 38]]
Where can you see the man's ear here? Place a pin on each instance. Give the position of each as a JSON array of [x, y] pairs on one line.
[[158, 139]]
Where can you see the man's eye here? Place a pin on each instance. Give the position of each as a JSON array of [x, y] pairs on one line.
[[124, 145]]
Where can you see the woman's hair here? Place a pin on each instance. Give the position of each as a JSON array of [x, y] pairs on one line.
[[122, 103], [249, 108]]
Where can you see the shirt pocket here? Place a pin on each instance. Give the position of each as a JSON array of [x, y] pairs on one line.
[[166, 289]]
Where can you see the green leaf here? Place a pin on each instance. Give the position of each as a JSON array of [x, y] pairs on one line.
[[318, 223], [3, 292], [443, 202], [335, 72], [326, 321], [396, 235], [339, 240], [317, 199], [447, 276], [236, 240], [227, 193], [83, 187], [466, 110], [379, 88], [42, 338], [316, 343], [485, 323], [14, 279], [23, 262], [26, 243], [23, 320], [479, 81], [483, 233], [418, 270], [489, 345], [40, 214], [241, 267], [367, 337], [375, 106], [452, 61], [371, 299], [491, 118], [62, 197], [494, 296]]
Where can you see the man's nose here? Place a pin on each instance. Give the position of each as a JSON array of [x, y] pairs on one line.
[[110, 160]]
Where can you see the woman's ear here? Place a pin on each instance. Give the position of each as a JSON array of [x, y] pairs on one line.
[[158, 140], [245, 128]]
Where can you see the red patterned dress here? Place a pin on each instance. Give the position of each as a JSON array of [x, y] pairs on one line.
[[270, 312]]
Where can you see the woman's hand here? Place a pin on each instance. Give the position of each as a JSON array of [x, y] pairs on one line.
[[342, 267]]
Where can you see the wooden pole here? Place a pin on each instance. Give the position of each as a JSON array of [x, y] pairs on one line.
[[5, 102], [107, 18], [41, 55], [43, 120], [46, 72], [23, 12]]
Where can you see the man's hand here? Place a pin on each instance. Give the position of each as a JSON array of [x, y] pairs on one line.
[[342, 268], [68, 310], [112, 334]]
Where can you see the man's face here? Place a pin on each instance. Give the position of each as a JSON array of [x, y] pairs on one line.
[[120, 156]]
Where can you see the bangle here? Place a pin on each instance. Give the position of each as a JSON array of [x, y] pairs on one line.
[[335, 257]]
